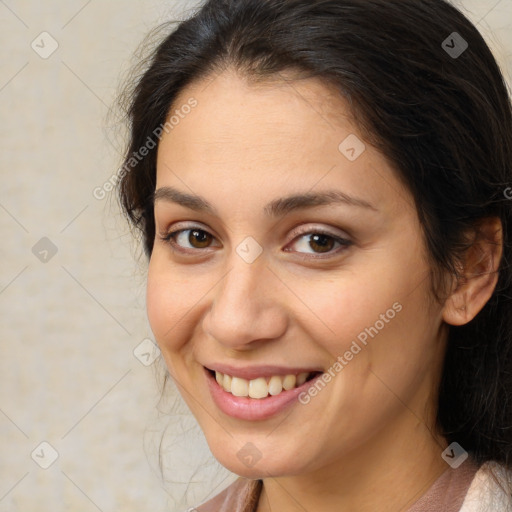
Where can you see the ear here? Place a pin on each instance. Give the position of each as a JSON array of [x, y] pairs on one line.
[[479, 274]]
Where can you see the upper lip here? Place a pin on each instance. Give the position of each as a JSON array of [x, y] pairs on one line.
[[253, 372]]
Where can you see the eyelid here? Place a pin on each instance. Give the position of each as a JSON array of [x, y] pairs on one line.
[[176, 227], [308, 229]]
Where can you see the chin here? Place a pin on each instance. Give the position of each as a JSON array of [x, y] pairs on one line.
[[250, 463]]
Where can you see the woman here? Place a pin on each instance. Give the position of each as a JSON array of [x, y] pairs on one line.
[[321, 191]]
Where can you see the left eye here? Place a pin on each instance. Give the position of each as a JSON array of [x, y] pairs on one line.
[[320, 242]]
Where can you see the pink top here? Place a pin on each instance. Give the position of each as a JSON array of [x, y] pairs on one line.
[[453, 491]]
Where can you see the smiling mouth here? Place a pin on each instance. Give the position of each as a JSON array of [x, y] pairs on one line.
[[261, 387]]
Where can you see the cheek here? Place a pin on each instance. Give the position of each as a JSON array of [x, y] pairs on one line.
[[167, 306], [158, 307], [380, 314], [343, 306]]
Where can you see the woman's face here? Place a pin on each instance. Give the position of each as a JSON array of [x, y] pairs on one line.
[[298, 251]]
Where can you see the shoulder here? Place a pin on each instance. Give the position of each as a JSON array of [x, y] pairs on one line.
[[490, 490], [241, 496]]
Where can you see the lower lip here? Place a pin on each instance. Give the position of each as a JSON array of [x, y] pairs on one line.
[[253, 409]]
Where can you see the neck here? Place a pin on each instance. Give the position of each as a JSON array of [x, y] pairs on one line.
[[387, 474]]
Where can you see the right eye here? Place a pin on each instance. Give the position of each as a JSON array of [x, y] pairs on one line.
[[195, 237]]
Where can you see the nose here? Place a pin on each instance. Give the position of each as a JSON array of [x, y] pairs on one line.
[[247, 308]]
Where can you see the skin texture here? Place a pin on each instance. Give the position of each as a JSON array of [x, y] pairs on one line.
[[366, 441]]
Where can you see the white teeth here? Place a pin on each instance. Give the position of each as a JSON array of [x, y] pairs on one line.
[[289, 382], [226, 383], [275, 385], [301, 378], [239, 387], [260, 387]]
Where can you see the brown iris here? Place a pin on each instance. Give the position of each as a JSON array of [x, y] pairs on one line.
[[324, 242], [202, 238]]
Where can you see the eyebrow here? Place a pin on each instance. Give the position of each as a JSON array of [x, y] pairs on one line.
[[276, 208]]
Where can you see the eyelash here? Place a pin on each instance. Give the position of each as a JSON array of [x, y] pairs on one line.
[[344, 243]]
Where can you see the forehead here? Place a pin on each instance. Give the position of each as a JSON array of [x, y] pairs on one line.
[[261, 138], [273, 114]]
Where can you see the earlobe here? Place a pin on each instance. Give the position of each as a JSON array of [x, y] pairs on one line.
[[479, 274]]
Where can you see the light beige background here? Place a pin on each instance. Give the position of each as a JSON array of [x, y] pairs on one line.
[[70, 325]]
